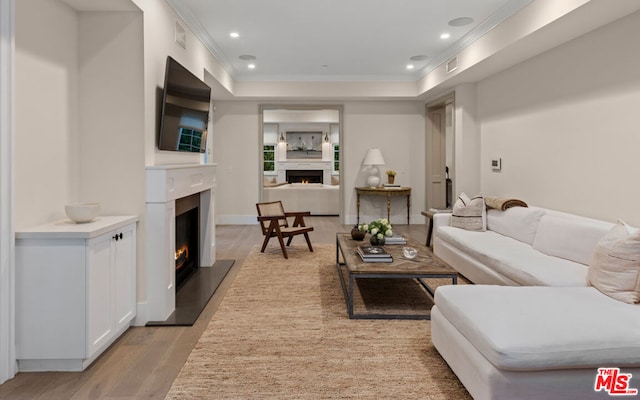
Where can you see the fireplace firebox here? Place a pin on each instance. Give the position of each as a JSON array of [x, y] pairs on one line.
[[187, 237], [305, 176]]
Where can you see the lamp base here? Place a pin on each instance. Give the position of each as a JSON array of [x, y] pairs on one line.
[[373, 181]]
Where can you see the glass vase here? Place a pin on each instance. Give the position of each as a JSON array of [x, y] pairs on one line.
[[376, 241]]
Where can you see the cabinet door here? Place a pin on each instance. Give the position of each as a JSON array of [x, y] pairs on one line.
[[125, 276], [99, 293]]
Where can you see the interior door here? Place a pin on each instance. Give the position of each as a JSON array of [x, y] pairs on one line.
[[436, 157]]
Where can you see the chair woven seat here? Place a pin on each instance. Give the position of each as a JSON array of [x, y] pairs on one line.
[[273, 221]]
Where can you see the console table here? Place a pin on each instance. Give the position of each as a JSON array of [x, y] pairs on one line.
[[388, 193]]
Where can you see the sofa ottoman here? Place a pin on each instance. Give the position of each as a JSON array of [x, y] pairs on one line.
[[534, 342]]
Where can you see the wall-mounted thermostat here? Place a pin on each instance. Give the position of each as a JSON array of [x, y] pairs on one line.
[[496, 164]]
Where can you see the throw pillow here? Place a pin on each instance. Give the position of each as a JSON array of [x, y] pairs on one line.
[[335, 180], [469, 214], [615, 266]]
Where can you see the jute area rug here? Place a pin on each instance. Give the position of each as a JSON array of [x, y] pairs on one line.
[[282, 332]]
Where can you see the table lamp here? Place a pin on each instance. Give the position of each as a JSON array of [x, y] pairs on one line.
[[374, 160]]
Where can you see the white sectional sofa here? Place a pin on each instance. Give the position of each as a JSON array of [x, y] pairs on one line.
[[531, 327], [522, 246]]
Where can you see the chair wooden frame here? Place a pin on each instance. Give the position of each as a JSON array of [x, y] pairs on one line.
[[273, 221]]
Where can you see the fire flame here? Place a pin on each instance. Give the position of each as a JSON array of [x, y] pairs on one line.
[[182, 253], [305, 181]]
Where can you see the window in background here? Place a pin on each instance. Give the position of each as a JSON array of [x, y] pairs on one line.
[[336, 157], [269, 154]]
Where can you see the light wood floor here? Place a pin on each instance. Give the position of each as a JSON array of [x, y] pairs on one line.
[[143, 363]]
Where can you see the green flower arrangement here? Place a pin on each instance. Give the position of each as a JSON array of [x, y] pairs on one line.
[[379, 229]]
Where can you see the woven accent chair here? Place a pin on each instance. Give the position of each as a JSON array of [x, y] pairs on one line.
[[273, 220]]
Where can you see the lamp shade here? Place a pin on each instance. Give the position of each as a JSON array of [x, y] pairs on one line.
[[373, 157]]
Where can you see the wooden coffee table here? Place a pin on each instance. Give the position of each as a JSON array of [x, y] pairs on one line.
[[425, 265]]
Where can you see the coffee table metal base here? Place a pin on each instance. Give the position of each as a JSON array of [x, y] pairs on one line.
[[348, 291]]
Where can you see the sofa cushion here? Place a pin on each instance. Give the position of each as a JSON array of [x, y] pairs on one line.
[[469, 213], [538, 328], [615, 266], [516, 260], [571, 237], [520, 223]]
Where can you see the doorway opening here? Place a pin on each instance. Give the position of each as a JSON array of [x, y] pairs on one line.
[[301, 137], [440, 165]]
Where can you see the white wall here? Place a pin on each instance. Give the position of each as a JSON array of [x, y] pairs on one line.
[[565, 124], [46, 105], [79, 113], [236, 151], [466, 172], [397, 128], [159, 42], [111, 111]]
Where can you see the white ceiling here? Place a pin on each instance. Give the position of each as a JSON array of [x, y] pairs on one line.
[[338, 40]]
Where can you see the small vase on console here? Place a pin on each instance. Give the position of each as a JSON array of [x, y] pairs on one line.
[[357, 234]]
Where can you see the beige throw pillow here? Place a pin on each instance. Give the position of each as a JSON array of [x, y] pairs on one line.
[[615, 266], [469, 214]]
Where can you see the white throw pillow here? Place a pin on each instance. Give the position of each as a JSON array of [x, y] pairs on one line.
[[469, 214], [615, 266]]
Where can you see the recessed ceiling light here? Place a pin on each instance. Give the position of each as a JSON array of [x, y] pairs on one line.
[[251, 66], [462, 21], [234, 35], [410, 66], [445, 36], [247, 57], [420, 57]]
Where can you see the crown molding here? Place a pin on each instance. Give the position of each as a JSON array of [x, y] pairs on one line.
[[201, 33], [508, 10]]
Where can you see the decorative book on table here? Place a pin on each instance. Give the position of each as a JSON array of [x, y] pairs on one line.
[[395, 239], [374, 254]]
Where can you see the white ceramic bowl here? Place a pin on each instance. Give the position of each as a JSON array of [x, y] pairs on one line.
[[409, 252], [82, 212]]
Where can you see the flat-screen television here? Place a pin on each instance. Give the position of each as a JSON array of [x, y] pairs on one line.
[[185, 110]]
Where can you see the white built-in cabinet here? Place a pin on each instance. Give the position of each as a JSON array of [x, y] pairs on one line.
[[75, 291]]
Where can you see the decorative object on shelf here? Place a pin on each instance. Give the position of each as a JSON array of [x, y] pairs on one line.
[[373, 159], [81, 213], [379, 229], [391, 176], [357, 234]]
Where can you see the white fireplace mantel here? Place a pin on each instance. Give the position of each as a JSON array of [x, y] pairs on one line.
[[165, 184], [325, 166]]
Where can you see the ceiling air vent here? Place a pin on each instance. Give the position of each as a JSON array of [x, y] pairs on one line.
[[181, 35], [452, 64]]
